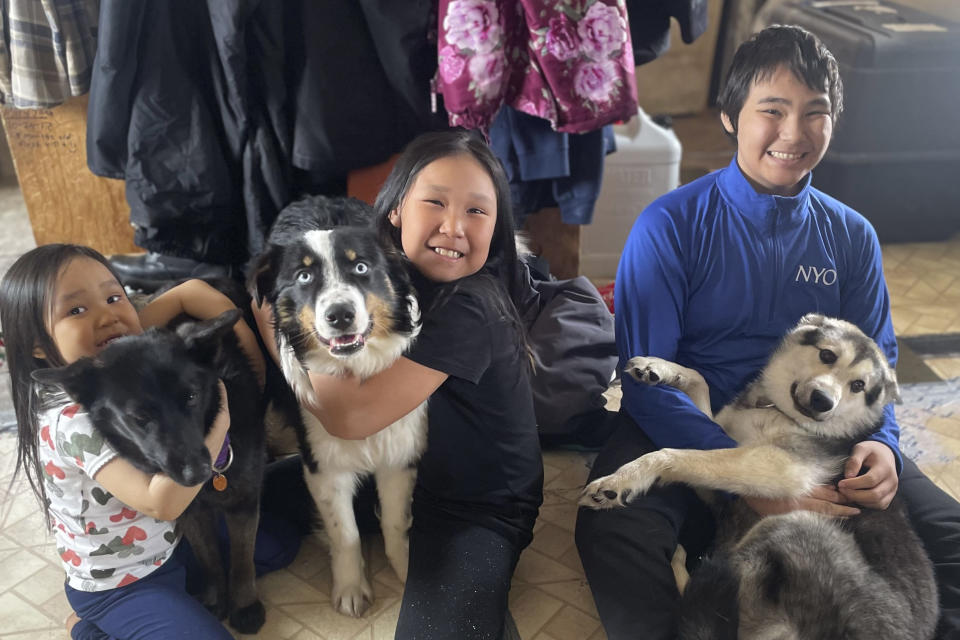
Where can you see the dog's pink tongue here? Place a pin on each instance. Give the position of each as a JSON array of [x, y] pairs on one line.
[[346, 341]]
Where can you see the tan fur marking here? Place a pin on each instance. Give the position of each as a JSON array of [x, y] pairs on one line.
[[307, 261], [308, 322], [351, 255], [379, 311]]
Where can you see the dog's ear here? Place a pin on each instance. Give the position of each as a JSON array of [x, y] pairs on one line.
[[812, 320], [78, 379], [891, 388], [262, 280], [203, 338]]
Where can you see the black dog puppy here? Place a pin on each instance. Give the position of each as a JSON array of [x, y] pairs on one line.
[[154, 397]]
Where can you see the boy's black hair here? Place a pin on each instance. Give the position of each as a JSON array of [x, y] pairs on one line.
[[790, 47], [25, 303], [502, 262]]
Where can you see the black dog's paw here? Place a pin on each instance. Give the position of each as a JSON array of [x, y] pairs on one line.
[[213, 604], [249, 619]]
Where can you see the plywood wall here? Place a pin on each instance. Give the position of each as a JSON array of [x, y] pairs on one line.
[[65, 201], [678, 82]]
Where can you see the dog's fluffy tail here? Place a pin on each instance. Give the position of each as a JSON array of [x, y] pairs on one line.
[[708, 610]]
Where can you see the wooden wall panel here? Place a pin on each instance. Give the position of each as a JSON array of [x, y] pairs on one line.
[[559, 243], [65, 201]]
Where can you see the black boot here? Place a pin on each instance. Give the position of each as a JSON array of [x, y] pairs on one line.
[[148, 271]]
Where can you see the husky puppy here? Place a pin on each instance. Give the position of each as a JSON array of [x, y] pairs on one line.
[[802, 575], [343, 303], [154, 397]]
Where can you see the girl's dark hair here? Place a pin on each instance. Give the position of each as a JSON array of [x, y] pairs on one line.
[[791, 47], [502, 262], [25, 304]]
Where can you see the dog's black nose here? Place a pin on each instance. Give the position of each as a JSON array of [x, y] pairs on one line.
[[820, 402], [339, 316]]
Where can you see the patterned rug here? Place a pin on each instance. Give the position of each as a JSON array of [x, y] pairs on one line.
[[930, 413]]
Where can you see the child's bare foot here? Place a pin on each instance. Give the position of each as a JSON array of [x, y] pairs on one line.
[[72, 620]]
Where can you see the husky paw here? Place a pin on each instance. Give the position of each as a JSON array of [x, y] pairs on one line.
[[250, 618], [604, 493], [352, 599], [653, 371], [616, 489]]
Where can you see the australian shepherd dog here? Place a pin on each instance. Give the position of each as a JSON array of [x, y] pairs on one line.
[[343, 304]]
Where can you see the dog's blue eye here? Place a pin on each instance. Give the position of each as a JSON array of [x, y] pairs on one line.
[[304, 276], [827, 356], [857, 386], [360, 268]]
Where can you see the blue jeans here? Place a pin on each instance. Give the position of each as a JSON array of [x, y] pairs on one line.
[[155, 607]]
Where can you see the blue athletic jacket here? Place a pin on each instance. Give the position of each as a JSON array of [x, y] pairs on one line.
[[714, 274]]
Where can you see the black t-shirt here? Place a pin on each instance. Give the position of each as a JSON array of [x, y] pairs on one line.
[[483, 460]]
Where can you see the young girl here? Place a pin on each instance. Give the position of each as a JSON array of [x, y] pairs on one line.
[[113, 524], [480, 482]]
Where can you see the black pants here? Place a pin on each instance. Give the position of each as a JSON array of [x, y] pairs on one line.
[[626, 552], [457, 582]]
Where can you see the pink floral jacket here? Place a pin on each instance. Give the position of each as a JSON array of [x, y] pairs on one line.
[[568, 61]]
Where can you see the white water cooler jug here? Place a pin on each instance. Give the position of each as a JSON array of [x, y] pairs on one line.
[[645, 166]]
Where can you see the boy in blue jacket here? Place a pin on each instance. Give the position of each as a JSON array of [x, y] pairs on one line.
[[712, 276]]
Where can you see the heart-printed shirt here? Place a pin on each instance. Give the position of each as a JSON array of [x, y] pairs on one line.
[[102, 543]]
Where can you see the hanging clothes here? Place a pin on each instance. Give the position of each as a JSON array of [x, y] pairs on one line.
[[547, 168], [47, 49], [217, 113], [555, 60], [360, 74], [199, 134]]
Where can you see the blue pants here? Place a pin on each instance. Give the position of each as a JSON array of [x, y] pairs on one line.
[[156, 607]]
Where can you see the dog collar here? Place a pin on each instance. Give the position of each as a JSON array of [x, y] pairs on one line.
[[221, 464], [225, 456]]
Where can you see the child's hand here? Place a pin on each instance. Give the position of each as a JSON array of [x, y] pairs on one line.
[[875, 488], [263, 314], [218, 432]]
